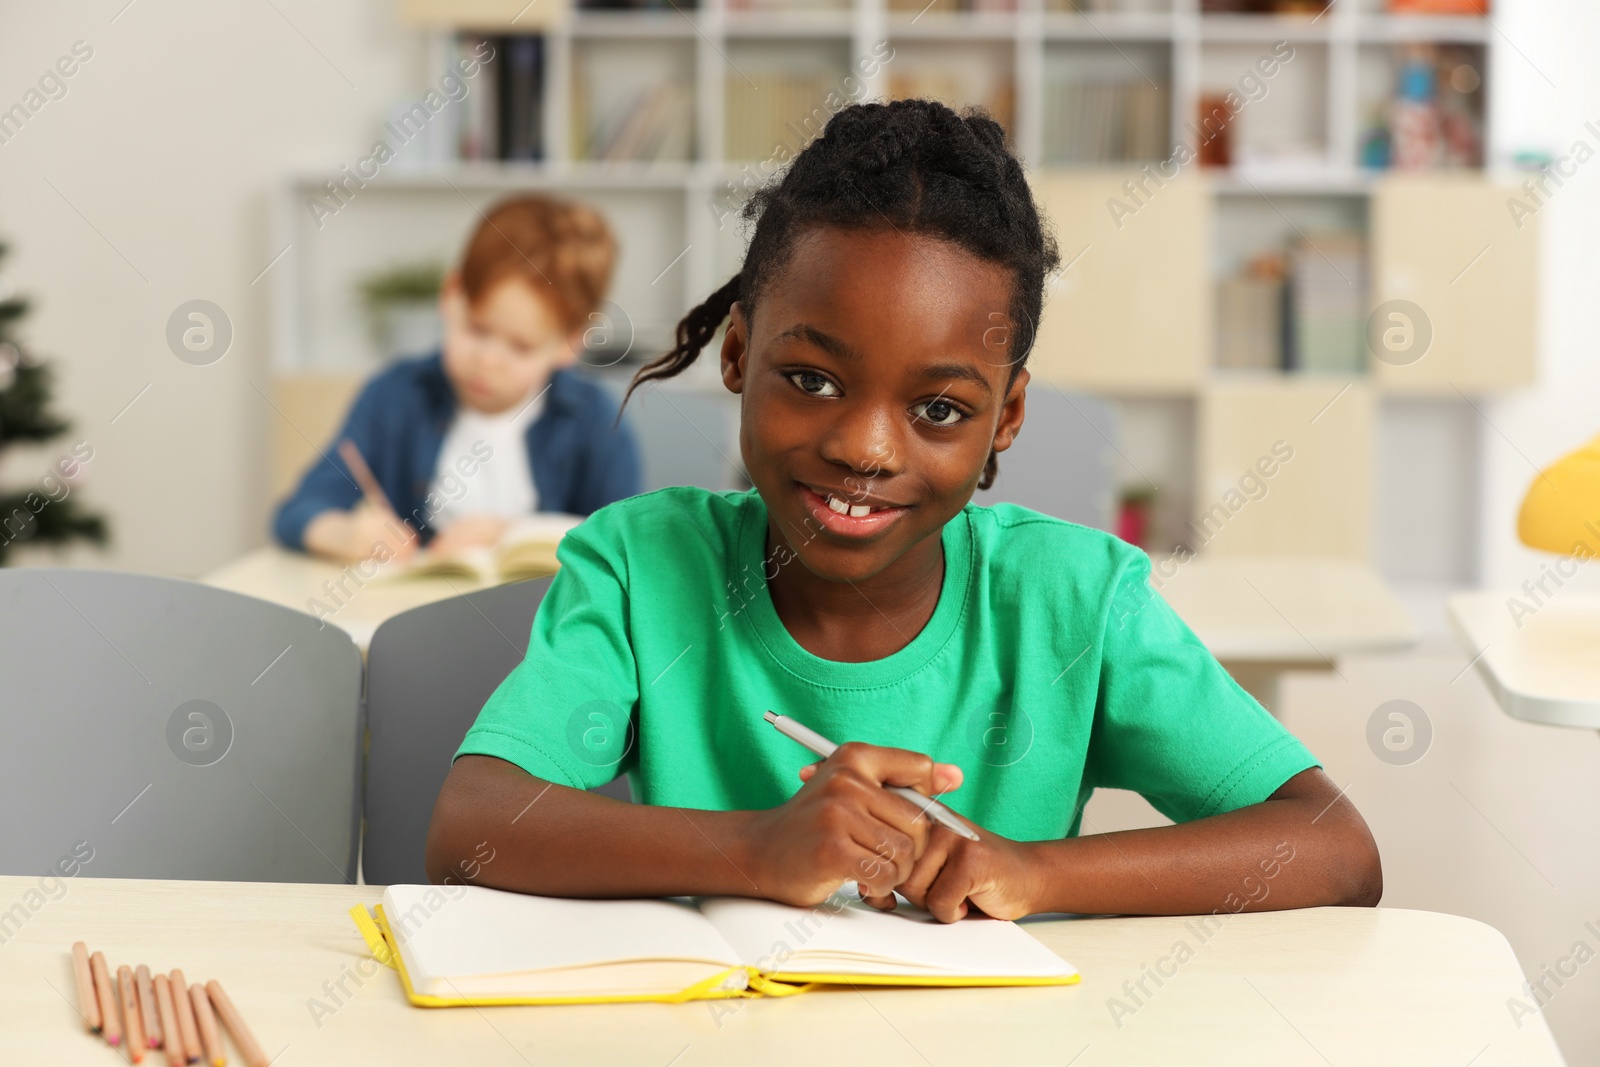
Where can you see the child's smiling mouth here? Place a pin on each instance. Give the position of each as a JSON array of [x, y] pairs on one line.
[[859, 517]]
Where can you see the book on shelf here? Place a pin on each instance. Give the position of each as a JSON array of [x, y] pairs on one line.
[[478, 133], [502, 115], [1328, 280], [957, 91], [521, 84], [469, 945], [655, 124], [783, 109], [1105, 121], [1250, 323]]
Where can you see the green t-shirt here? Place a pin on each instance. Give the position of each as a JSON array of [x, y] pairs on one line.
[[1048, 668]]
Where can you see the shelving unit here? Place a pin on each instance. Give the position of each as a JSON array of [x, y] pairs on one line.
[[1143, 329]]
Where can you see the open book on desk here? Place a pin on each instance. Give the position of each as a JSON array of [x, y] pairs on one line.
[[527, 550], [461, 945]]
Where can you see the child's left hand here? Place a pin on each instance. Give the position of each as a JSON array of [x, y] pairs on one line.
[[994, 874], [470, 531]]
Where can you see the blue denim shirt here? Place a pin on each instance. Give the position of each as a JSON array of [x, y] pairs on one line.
[[579, 462]]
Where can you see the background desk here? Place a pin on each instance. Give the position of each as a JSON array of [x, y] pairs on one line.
[[295, 581], [1334, 985], [1547, 669], [1262, 617]]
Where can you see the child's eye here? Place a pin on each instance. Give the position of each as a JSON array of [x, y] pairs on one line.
[[939, 413], [813, 383]]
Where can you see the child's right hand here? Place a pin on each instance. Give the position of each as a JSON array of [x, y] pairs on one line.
[[358, 534], [844, 825]]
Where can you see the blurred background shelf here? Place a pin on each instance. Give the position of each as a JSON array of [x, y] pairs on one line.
[[1181, 292]]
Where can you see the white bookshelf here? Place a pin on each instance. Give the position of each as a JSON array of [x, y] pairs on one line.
[[678, 244]]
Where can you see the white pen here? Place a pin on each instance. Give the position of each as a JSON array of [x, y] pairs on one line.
[[825, 748]]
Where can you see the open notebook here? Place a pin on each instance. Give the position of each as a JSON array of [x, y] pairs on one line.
[[469, 945], [528, 550]]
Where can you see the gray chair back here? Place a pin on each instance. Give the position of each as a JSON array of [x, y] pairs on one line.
[[159, 728], [685, 437], [1064, 462], [429, 673]]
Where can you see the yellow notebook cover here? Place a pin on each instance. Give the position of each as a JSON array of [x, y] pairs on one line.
[[731, 983]]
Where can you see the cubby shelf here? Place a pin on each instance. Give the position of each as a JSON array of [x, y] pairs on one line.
[[680, 230]]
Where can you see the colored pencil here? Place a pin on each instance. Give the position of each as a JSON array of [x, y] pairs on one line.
[[88, 1000], [110, 1024], [132, 1025], [176, 1057], [188, 1030], [248, 1048], [363, 475], [148, 1015], [208, 1026]]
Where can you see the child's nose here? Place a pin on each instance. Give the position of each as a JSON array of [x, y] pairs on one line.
[[864, 440]]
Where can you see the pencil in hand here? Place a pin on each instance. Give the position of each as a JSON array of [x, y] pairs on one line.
[[88, 996], [363, 475]]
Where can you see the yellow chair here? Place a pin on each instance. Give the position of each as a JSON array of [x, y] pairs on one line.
[[1561, 512]]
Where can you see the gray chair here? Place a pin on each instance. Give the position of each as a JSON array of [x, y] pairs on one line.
[[159, 728], [685, 437], [1064, 461], [429, 672]]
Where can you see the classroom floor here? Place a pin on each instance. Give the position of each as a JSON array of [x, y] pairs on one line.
[[1496, 821]]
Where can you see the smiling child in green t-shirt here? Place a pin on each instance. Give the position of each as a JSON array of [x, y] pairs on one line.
[[1005, 661]]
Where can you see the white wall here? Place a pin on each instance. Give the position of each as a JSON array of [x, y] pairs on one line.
[[163, 151], [1548, 88]]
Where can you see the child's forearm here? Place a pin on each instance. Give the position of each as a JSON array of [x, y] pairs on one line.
[[1305, 847], [495, 825]]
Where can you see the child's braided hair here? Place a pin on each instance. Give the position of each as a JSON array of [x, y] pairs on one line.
[[915, 166]]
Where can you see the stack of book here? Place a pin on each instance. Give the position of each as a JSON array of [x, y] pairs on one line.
[[1250, 323], [502, 115], [952, 88], [1328, 282], [1105, 122], [655, 124], [784, 110]]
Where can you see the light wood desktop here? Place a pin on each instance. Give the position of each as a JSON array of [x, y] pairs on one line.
[[1263, 617], [1543, 667], [1368, 986], [356, 604], [1259, 616]]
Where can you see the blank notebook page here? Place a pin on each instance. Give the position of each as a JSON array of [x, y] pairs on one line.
[[860, 939], [478, 931]]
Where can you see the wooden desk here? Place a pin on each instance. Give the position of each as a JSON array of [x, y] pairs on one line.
[[360, 606], [1262, 617], [1547, 669], [1334, 985]]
